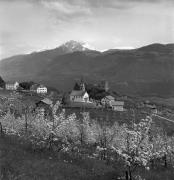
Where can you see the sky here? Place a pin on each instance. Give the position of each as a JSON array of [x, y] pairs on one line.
[[35, 25]]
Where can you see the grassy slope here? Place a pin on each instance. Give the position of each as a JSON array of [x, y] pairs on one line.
[[18, 162]]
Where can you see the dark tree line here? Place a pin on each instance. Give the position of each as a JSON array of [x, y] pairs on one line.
[[26, 85], [96, 92], [2, 82]]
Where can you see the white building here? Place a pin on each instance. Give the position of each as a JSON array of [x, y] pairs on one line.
[[117, 105], [79, 96], [11, 85], [41, 89]]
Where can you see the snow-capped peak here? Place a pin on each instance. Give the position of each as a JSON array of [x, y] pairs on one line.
[[73, 46], [88, 46]]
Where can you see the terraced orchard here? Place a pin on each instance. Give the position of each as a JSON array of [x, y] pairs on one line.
[[37, 147]]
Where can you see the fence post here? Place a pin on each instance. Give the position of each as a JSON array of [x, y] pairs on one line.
[[26, 120], [127, 176]]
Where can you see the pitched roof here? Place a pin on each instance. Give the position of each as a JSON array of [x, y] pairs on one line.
[[41, 86], [117, 103], [35, 86], [77, 93], [110, 97], [11, 82], [47, 101]]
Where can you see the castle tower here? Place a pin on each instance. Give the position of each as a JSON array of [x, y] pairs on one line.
[[105, 85]]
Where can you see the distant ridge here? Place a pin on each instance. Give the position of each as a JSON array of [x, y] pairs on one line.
[[158, 47]]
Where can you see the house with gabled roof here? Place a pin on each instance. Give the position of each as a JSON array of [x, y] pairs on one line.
[[11, 85], [43, 107], [34, 87], [117, 105], [107, 100], [39, 88], [79, 96]]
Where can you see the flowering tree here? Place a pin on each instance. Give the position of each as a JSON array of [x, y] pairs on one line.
[[161, 148], [133, 145], [86, 128]]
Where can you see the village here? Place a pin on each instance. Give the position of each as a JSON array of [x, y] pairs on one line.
[[78, 97], [82, 96]]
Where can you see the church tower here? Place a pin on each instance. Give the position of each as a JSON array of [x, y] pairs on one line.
[[82, 85]]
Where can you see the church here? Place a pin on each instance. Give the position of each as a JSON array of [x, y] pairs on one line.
[[79, 95]]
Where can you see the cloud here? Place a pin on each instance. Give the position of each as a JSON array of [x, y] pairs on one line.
[[64, 7], [30, 25], [105, 3], [65, 11], [72, 6], [86, 7]]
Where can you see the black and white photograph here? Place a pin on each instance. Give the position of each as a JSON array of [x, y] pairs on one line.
[[86, 89]]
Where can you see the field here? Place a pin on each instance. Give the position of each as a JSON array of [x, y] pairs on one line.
[[128, 117], [5, 93], [163, 101]]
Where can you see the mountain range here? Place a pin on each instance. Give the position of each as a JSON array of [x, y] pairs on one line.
[[148, 70]]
